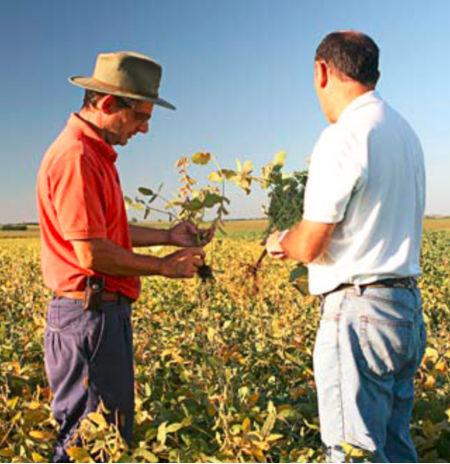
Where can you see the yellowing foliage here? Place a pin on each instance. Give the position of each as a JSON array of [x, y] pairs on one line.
[[223, 374]]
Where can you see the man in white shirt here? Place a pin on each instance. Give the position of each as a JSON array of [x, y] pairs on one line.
[[360, 236]]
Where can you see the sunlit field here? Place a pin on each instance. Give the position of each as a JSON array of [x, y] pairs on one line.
[[224, 369], [237, 229]]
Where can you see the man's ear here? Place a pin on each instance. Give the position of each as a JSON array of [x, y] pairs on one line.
[[107, 104], [321, 70], [378, 78]]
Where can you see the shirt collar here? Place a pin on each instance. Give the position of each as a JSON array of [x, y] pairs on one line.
[[82, 129], [368, 97]]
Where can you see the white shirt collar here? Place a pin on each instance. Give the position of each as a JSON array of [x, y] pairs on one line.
[[362, 100]]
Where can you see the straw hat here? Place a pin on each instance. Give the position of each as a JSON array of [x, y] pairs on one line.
[[125, 74]]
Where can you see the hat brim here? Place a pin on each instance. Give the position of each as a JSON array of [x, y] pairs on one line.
[[92, 84]]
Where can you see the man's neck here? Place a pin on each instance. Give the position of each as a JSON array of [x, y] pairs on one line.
[[94, 120], [346, 95]]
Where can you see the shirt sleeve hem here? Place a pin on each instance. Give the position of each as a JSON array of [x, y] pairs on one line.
[[326, 219]]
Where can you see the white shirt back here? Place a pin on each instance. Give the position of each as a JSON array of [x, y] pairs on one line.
[[367, 175]]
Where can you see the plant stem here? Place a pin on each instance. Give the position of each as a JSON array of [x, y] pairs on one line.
[[152, 208], [260, 260]]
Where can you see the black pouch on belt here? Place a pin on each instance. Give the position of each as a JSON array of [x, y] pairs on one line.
[[93, 292]]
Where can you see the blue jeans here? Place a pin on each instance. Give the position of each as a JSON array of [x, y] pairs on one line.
[[89, 359], [368, 349]]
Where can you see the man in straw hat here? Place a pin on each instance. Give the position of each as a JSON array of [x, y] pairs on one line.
[[361, 235], [87, 246]]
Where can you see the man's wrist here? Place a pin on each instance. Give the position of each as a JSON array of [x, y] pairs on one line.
[[160, 267], [168, 238]]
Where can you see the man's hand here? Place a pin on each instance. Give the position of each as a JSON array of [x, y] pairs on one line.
[[183, 263], [187, 234], [273, 246], [306, 242]]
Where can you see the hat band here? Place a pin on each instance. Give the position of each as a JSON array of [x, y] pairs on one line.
[[116, 88]]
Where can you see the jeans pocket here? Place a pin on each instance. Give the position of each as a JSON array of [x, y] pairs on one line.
[[65, 316], [71, 327], [386, 344]]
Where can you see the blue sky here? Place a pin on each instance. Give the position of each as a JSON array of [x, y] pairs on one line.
[[239, 71]]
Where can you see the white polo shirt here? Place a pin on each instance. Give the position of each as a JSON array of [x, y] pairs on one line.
[[367, 175]]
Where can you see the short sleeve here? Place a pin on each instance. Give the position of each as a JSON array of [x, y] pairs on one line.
[[78, 198], [333, 174]]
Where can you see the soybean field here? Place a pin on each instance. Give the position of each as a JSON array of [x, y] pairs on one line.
[[223, 369]]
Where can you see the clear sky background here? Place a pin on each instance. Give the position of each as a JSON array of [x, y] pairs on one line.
[[239, 71]]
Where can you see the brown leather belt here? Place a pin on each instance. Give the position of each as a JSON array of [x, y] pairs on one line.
[[105, 295], [403, 282]]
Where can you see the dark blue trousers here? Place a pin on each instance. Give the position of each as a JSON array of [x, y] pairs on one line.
[[89, 359]]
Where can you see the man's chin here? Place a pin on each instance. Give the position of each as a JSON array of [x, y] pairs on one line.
[[119, 142], [122, 141]]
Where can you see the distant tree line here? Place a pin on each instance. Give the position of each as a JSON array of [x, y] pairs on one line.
[[14, 227]]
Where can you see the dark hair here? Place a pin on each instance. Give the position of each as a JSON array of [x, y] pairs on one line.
[[352, 53], [91, 97]]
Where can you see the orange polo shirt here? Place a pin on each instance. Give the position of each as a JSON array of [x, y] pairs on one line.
[[79, 197]]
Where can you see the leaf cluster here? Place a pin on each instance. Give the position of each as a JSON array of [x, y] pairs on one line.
[[286, 199], [190, 203]]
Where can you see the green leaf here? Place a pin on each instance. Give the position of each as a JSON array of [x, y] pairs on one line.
[[201, 158], [152, 199], [128, 202], [212, 200], [145, 191], [280, 158], [127, 458], [143, 453], [194, 205], [138, 206], [172, 428], [300, 271]]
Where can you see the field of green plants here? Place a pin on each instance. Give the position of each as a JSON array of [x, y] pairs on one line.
[[223, 370]]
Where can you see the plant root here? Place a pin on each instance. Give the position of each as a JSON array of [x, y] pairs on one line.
[[205, 273]]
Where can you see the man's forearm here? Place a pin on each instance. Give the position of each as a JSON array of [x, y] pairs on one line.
[[106, 257], [307, 241], [144, 236]]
